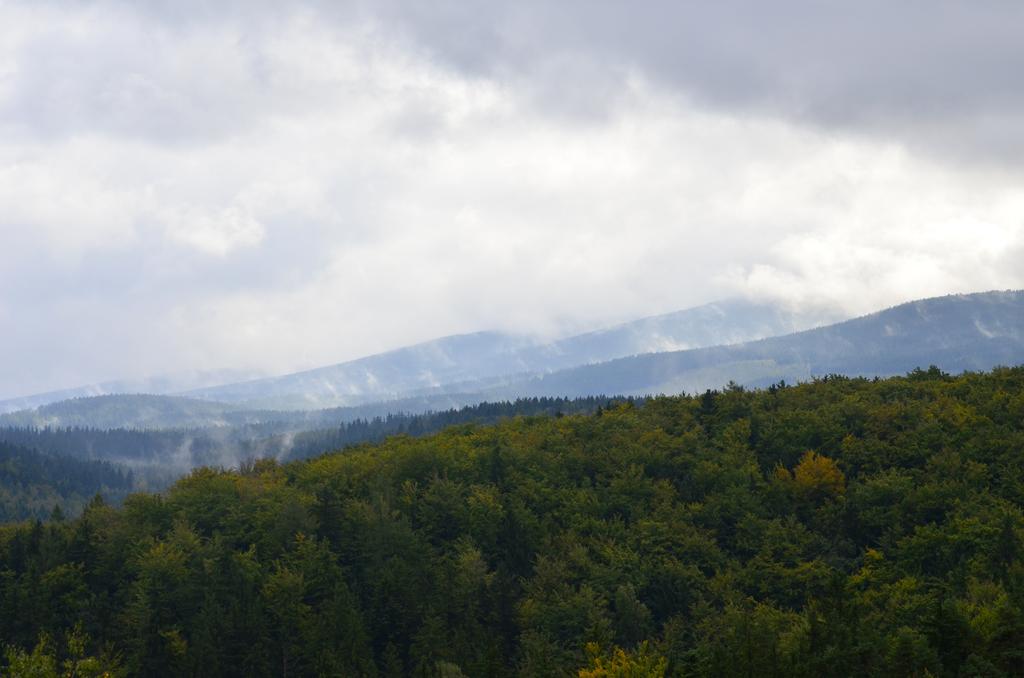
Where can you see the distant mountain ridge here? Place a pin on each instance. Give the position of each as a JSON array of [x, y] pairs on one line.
[[453, 360], [451, 363]]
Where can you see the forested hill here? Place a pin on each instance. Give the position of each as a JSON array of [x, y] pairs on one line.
[[837, 528]]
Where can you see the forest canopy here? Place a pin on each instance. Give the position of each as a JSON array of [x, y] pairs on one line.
[[35, 485], [838, 527]]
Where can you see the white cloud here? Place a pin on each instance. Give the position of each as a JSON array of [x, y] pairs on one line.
[[218, 233]]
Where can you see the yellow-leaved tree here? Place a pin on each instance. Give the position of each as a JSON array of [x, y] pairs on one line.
[[818, 477], [640, 663]]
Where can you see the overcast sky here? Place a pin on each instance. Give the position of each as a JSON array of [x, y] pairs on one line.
[[194, 185]]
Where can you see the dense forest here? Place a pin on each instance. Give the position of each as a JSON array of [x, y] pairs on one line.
[[33, 484], [838, 527]]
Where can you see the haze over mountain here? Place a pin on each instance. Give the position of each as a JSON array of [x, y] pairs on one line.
[[436, 375], [454, 360], [472, 358]]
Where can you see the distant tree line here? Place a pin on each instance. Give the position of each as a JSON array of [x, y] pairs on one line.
[[311, 443]]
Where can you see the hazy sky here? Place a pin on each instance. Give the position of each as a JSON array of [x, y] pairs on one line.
[[282, 185]]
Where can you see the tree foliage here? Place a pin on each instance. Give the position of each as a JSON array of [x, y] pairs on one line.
[[838, 527]]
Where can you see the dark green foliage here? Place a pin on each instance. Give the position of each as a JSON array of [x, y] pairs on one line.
[[37, 485], [840, 527]]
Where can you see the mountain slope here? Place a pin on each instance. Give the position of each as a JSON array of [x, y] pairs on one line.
[[384, 375], [454, 363], [955, 333], [725, 322]]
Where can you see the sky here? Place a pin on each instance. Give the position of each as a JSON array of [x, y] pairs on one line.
[[274, 186]]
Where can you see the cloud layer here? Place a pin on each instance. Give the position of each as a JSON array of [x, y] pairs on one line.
[[255, 186]]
